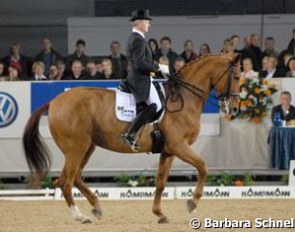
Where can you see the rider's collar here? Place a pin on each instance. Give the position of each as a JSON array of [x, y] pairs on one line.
[[139, 32]]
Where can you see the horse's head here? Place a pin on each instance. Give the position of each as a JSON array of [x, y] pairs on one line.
[[225, 81]]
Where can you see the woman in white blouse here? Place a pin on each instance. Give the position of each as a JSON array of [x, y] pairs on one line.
[[248, 72]]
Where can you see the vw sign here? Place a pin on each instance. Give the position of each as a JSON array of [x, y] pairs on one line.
[[8, 109]]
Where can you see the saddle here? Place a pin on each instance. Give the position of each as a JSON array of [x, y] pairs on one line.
[[127, 109], [125, 102]]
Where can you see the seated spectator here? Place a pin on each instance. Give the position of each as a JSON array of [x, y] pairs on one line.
[[17, 60], [79, 54], [254, 52], [204, 50], [228, 46], [235, 39], [2, 69], [53, 73], [179, 63], [38, 70], [248, 72], [48, 55], [291, 66], [269, 47], [119, 61], [287, 57], [77, 71], [188, 54], [107, 69], [13, 74], [99, 67], [153, 46], [272, 70], [281, 59], [285, 110], [247, 42], [264, 63], [165, 50], [164, 60], [61, 69], [291, 45], [92, 73]]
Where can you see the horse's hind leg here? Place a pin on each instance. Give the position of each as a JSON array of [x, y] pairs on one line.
[[91, 197], [72, 164], [162, 176], [185, 153]]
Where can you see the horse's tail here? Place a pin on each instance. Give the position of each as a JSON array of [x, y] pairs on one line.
[[37, 154]]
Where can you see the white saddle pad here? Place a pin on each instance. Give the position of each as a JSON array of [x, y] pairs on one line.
[[125, 106]]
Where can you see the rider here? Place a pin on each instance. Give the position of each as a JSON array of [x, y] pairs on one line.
[[142, 64]]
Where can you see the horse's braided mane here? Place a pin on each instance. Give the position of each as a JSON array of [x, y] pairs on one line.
[[197, 60]]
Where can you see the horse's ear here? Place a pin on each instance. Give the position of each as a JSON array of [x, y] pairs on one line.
[[236, 58]]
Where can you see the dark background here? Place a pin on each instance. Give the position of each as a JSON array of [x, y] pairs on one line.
[[195, 7]]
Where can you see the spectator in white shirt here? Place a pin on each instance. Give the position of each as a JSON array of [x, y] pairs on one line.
[[38, 69], [248, 72]]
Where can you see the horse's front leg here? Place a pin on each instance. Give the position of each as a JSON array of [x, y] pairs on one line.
[[162, 176], [185, 153]]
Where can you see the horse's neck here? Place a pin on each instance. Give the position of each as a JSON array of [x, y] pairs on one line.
[[194, 103]]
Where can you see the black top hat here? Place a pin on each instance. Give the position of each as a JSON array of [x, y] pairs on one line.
[[140, 14]]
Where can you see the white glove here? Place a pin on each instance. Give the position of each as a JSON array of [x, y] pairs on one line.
[[164, 68]]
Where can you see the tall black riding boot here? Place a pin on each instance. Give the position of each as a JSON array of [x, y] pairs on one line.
[[136, 124]]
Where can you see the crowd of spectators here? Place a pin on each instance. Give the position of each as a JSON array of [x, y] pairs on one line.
[[48, 64]]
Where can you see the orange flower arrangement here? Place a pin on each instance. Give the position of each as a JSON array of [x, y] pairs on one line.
[[242, 81], [267, 92], [255, 99], [257, 90], [256, 120], [248, 103]]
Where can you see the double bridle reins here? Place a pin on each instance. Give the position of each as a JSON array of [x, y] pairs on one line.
[[175, 95]]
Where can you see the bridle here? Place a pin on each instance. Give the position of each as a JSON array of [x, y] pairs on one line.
[[174, 82]]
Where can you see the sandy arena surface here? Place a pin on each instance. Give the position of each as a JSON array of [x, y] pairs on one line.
[[131, 216]]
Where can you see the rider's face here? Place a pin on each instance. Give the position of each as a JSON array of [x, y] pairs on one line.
[[144, 25]]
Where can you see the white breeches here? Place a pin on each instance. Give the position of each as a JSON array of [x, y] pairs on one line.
[[154, 97]]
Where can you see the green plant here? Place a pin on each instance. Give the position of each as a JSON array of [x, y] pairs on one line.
[[285, 179], [33, 182], [1, 185], [248, 180], [212, 180], [47, 182], [122, 180], [225, 179]]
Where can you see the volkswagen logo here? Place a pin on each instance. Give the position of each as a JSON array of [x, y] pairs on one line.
[[8, 109]]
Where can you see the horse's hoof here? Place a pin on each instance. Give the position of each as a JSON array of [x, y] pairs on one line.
[[163, 220], [86, 221], [97, 213], [191, 205]]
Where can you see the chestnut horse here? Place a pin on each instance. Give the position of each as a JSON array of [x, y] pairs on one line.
[[82, 118]]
